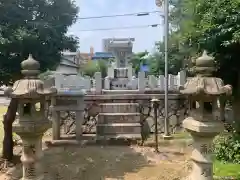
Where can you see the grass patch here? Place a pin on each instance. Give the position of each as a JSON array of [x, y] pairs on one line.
[[226, 170]]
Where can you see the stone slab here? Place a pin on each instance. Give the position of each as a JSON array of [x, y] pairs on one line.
[[119, 107], [118, 128], [105, 118]]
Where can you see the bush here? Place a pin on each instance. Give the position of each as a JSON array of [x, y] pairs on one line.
[[227, 148]]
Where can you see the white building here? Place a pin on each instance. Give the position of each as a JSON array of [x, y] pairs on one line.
[[69, 64]]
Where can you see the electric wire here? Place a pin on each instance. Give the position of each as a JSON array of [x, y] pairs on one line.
[[120, 15]]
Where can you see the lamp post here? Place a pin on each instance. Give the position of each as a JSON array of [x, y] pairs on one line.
[[166, 35]]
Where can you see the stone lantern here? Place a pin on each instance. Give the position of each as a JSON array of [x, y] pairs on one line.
[[202, 123], [32, 120]]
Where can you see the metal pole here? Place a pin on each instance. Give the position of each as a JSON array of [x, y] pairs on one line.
[[166, 28], [155, 104]]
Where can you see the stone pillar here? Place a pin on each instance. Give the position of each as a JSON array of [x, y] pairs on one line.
[[79, 118], [130, 72], [161, 82], [202, 157], [152, 82], [110, 72], [56, 125], [31, 157], [141, 81], [181, 78], [55, 120], [203, 135], [98, 79], [107, 83]]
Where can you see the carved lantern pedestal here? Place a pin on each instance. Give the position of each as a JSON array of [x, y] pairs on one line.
[[31, 122], [202, 123]]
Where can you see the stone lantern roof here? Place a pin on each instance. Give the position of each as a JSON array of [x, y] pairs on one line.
[[31, 86], [203, 83]]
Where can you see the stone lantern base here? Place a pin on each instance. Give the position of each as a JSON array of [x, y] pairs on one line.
[[31, 133], [203, 134]]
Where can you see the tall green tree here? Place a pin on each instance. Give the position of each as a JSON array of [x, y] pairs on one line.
[[156, 61], [38, 27], [214, 26]]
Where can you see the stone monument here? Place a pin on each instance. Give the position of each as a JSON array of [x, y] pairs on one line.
[[202, 123], [32, 120]]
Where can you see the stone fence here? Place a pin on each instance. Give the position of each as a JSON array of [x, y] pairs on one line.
[[97, 85]]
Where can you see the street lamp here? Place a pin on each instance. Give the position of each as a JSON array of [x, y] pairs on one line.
[[166, 34]]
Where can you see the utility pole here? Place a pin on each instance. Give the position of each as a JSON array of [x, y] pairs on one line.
[[159, 3]]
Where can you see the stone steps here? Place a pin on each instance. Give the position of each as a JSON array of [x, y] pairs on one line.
[[117, 128], [105, 118], [119, 121], [120, 136], [119, 107]]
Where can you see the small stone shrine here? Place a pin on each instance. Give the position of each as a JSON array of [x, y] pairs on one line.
[[202, 122], [32, 120]]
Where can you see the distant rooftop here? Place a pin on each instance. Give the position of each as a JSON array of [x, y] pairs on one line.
[[99, 55]]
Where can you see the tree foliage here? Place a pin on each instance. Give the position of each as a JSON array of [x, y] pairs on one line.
[[156, 60], [91, 67], [34, 26], [214, 26], [138, 59]]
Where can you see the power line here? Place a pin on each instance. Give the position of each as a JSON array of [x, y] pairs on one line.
[[120, 15], [118, 28]]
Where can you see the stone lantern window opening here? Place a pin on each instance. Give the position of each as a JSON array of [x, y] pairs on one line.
[[27, 109]]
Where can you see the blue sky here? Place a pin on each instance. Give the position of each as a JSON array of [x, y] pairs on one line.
[[144, 38]]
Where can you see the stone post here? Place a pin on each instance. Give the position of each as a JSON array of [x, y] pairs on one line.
[[130, 72], [107, 83], [55, 120], [202, 123], [141, 81], [110, 72], [98, 79], [79, 117], [155, 105], [32, 121], [161, 82]]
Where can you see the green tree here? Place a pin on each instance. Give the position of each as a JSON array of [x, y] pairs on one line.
[[137, 60], [176, 59], [36, 27], [214, 26], [90, 68]]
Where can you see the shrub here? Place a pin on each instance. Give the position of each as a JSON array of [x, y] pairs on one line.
[[227, 148]]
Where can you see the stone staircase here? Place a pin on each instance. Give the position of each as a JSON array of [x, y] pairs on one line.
[[119, 121]]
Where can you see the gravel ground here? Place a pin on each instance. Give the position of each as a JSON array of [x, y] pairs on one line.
[[110, 163]]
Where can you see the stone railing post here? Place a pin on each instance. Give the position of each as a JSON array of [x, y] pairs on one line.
[[141, 81], [161, 82], [98, 80]]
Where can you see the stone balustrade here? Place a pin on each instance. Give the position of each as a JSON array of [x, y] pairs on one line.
[[98, 85]]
